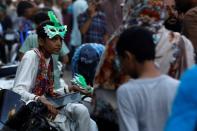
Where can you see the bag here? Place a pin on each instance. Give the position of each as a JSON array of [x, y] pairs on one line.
[[9, 102], [31, 117], [105, 109]]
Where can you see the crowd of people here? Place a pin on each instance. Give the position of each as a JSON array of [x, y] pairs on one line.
[[132, 61]]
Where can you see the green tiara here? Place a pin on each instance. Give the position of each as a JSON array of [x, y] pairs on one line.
[[57, 29]]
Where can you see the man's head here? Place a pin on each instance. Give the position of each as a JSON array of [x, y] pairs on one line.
[[26, 9], [94, 4], [149, 14], [184, 5], [86, 59], [134, 47], [40, 16], [88, 62]]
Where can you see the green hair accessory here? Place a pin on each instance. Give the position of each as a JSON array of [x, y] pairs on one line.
[[80, 81], [57, 29]]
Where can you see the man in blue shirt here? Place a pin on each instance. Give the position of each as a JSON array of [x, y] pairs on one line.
[[86, 59], [92, 24]]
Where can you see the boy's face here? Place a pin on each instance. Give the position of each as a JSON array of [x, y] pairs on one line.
[[93, 5], [52, 46], [129, 64]]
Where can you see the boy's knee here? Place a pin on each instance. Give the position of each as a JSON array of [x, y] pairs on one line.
[[77, 111], [81, 110]]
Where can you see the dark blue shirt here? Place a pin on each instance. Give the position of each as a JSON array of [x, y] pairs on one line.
[[97, 29]]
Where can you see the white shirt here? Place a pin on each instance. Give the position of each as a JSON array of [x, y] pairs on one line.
[[144, 104], [26, 75], [165, 50], [78, 115]]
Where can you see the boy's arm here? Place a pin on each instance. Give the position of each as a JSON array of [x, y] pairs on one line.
[[25, 77]]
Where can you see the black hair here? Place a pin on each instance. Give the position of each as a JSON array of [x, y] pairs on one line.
[[182, 6], [22, 6], [46, 9], [139, 42], [40, 29], [40, 17]]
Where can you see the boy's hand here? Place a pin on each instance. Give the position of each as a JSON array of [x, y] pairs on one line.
[[53, 111], [76, 88], [92, 10]]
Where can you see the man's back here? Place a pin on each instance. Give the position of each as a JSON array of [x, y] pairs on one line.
[[144, 104], [190, 26]]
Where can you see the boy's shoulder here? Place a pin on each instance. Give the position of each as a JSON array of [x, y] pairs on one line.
[[127, 85], [135, 85], [30, 54], [170, 80]]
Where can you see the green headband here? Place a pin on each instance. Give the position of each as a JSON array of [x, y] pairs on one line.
[[57, 29]]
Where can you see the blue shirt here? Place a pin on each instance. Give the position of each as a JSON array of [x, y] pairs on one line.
[[184, 110], [97, 29]]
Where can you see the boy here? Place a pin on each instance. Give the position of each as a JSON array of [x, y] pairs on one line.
[[143, 102], [34, 78], [32, 42]]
